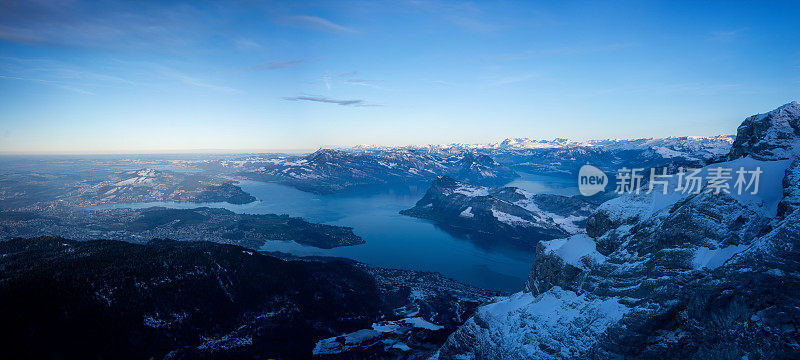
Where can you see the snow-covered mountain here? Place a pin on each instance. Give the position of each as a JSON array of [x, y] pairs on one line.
[[565, 156], [501, 216], [561, 156], [675, 276], [329, 170], [688, 145]]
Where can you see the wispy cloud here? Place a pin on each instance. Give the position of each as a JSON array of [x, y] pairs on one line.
[[349, 74], [351, 78], [363, 82], [156, 73], [196, 82], [694, 88], [273, 65], [246, 44], [106, 25], [465, 15], [327, 80], [327, 100], [725, 36], [50, 82], [567, 50], [58, 74], [472, 24], [318, 23], [510, 79]]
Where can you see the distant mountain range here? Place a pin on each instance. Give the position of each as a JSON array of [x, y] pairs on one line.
[[333, 170], [327, 170]]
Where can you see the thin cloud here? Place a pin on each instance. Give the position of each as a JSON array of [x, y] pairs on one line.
[[193, 81], [725, 36], [351, 78], [327, 100], [277, 65], [104, 25], [569, 50], [246, 44], [512, 79], [350, 74], [472, 24], [363, 82], [50, 82], [318, 23]]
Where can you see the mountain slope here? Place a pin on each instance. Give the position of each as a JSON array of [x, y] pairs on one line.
[[694, 276], [183, 300]]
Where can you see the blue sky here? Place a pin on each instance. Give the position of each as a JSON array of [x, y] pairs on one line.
[[154, 76]]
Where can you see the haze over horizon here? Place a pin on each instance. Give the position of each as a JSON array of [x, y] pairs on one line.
[[144, 77]]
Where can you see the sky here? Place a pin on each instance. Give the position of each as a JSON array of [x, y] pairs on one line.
[[172, 76]]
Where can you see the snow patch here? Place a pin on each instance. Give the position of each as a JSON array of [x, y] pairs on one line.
[[509, 219], [472, 191], [573, 249], [714, 258]]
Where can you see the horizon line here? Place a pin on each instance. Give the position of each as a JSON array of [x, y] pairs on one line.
[[311, 150]]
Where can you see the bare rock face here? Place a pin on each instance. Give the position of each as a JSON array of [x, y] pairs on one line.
[[695, 276], [791, 190]]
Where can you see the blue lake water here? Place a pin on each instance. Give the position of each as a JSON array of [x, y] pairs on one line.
[[393, 240]]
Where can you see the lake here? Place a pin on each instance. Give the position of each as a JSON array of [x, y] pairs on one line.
[[393, 240]]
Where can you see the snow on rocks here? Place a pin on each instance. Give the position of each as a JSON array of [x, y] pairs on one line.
[[384, 332], [554, 325]]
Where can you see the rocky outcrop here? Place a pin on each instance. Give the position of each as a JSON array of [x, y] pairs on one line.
[[692, 276], [770, 136]]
